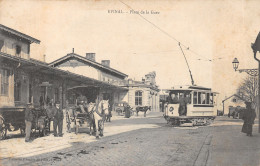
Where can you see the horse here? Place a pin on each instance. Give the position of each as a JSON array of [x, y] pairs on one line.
[[99, 116], [105, 110], [143, 109]]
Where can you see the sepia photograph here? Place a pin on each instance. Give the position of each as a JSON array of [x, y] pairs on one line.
[[130, 82]]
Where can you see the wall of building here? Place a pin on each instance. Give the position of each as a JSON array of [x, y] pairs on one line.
[[7, 100], [230, 102], [10, 43], [80, 68], [149, 97], [21, 78], [108, 77]]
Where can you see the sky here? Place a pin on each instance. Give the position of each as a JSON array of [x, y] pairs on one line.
[[215, 32]]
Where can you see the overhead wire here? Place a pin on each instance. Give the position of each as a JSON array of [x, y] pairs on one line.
[[167, 34]]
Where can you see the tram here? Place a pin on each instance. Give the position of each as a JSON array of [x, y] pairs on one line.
[[200, 105]]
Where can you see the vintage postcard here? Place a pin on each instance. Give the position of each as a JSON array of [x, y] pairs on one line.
[[129, 82]]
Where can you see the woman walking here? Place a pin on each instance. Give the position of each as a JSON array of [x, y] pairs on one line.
[[248, 117]]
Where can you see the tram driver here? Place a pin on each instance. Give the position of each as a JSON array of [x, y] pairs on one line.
[[175, 98], [182, 105]]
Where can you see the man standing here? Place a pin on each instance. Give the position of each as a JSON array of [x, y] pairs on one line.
[[28, 121], [248, 117], [182, 106], [58, 120]]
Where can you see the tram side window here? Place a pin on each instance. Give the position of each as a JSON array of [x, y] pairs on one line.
[[195, 98], [203, 98], [211, 98], [199, 97], [207, 100]]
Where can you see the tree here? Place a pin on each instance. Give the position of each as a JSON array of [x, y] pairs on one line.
[[248, 90]]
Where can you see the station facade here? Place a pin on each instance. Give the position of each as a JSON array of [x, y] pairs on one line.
[[24, 79]]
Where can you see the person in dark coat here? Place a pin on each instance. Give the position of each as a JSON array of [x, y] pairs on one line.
[[28, 121], [182, 106], [248, 117], [58, 120]]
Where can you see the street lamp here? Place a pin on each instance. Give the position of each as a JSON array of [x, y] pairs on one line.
[[235, 64], [251, 72]]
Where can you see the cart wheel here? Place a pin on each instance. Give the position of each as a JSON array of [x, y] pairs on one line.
[[77, 129], [3, 129], [43, 132], [68, 127], [22, 131], [119, 111]]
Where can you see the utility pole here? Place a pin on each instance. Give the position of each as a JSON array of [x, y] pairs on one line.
[[256, 47]]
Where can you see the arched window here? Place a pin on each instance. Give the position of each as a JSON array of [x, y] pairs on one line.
[[138, 97]]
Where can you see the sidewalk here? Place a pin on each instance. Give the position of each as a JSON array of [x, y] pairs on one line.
[[229, 146], [16, 147]]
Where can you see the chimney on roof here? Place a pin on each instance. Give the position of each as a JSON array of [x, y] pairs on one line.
[[91, 56], [72, 50], [105, 63]]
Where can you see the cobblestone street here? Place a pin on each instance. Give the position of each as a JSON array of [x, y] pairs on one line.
[[145, 141]]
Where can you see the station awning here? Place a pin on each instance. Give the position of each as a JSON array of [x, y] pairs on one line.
[[38, 67]]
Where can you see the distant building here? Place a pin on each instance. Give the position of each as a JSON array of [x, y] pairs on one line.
[[232, 102], [143, 93]]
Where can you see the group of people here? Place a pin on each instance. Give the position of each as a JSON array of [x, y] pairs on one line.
[[54, 112]]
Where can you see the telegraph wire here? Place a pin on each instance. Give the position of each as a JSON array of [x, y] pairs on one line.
[[167, 34]]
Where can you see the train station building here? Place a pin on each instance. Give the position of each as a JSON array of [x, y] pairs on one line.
[[24, 79]]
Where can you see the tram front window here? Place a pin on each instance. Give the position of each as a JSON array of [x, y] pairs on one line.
[[174, 99]]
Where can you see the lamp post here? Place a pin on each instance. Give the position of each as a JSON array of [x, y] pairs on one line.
[[252, 72], [256, 47]]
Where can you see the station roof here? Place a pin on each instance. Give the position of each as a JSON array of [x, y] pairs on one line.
[[19, 34], [35, 66], [87, 61]]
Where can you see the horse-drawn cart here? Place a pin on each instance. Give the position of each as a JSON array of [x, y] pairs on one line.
[[74, 115], [41, 122], [123, 109], [13, 119]]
